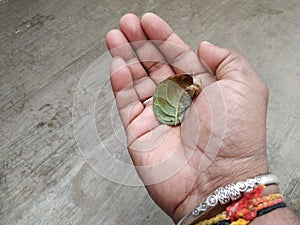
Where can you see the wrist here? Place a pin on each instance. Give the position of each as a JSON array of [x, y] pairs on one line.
[[218, 201], [214, 178], [277, 217]]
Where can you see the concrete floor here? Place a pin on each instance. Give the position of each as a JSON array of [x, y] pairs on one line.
[[46, 48]]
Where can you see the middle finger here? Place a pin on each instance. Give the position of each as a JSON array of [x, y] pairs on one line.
[[151, 58]]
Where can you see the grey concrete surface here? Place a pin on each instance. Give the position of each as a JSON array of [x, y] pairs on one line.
[[45, 48]]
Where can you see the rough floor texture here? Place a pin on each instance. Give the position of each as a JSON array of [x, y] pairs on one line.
[[46, 46]]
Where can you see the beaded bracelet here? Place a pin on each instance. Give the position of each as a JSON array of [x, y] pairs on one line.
[[240, 222], [252, 202], [271, 208], [248, 208], [214, 220], [259, 213], [223, 195], [224, 222]]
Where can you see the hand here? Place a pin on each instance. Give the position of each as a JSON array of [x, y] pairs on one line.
[[223, 137]]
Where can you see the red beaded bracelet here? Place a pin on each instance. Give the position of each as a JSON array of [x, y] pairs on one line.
[[252, 202], [247, 208]]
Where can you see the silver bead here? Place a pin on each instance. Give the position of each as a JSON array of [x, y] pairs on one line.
[[223, 195], [242, 186], [258, 180], [203, 206], [251, 183], [233, 192], [212, 200], [195, 212]]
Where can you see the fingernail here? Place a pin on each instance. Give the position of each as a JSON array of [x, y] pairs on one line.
[[207, 43]]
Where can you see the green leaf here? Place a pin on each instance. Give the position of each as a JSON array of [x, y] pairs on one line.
[[172, 98]]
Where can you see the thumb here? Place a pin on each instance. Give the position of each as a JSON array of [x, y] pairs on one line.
[[227, 63]]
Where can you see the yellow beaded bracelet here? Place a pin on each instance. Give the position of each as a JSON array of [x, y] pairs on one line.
[[214, 220], [240, 222], [244, 210]]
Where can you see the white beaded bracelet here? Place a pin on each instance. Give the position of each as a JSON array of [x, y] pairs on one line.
[[223, 195]]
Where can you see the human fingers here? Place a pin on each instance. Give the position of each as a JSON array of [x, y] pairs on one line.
[[151, 58], [127, 101], [118, 46], [179, 55], [136, 119], [230, 64]]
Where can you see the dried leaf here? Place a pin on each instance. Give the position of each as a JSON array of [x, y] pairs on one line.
[[173, 96]]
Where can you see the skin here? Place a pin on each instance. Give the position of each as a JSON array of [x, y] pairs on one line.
[[223, 137]]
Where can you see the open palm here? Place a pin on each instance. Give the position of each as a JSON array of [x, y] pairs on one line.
[[222, 138]]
